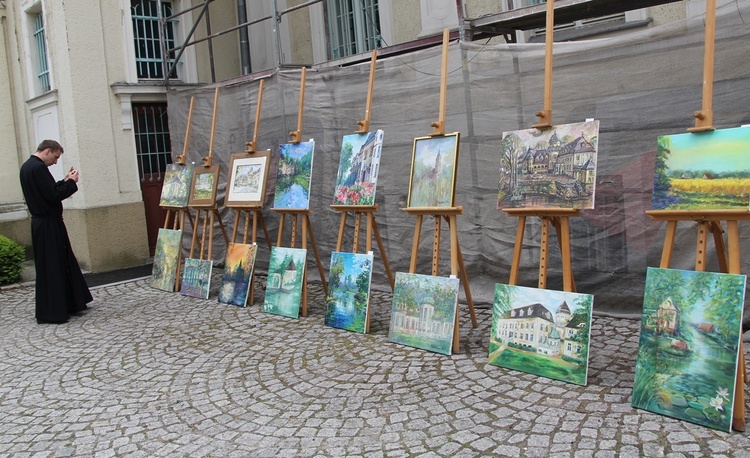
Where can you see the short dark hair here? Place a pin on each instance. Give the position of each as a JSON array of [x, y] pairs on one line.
[[51, 144]]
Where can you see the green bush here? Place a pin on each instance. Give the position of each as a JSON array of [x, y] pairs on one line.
[[12, 256]]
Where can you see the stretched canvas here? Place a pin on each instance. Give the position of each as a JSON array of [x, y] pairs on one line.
[[293, 175], [238, 274], [433, 171], [703, 171], [176, 187], [196, 278], [348, 291], [687, 355], [205, 182], [423, 314], [247, 179], [550, 168], [359, 165], [166, 259], [286, 274], [541, 332]]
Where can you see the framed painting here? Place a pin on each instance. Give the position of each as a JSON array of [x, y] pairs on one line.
[[176, 186], [703, 171], [196, 278], [349, 291], [286, 274], [359, 165], [293, 176], [687, 354], [247, 179], [166, 259], [423, 314], [432, 181], [205, 182], [541, 332], [550, 168], [238, 274]]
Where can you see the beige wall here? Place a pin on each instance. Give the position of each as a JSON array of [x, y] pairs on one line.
[[300, 35], [406, 20], [225, 48], [670, 12]]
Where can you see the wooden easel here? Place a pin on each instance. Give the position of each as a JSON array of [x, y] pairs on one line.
[[458, 269], [300, 214], [709, 221]]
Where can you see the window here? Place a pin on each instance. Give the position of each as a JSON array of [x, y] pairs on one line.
[[354, 27], [152, 143], [149, 53], [41, 53]]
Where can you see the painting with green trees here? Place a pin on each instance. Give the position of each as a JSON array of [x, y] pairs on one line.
[[359, 165], [541, 332], [348, 291], [687, 354], [286, 274], [196, 278], [703, 171], [175, 189], [423, 314], [434, 165], [166, 259], [293, 174], [238, 273]]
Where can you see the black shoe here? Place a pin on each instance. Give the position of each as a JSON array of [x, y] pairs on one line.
[[40, 321]]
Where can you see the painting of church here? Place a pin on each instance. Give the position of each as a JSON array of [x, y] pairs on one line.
[[433, 171], [359, 166], [176, 187]]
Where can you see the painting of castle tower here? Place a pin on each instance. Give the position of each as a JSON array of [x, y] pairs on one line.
[[238, 274], [358, 169], [286, 273], [293, 175], [433, 171]]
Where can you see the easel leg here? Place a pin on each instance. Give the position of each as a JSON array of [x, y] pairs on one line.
[[265, 229], [342, 226], [721, 251], [700, 249], [317, 255], [382, 253], [236, 225], [517, 251], [280, 236], [567, 264], [415, 247], [543, 250], [666, 252], [436, 248], [453, 226], [357, 227]]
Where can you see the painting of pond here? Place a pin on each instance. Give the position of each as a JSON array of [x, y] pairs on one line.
[[293, 175], [348, 291], [286, 274]]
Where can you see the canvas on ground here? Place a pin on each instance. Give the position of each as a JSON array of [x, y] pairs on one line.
[[423, 314], [286, 274], [687, 354], [541, 332], [166, 259], [238, 274], [550, 168], [247, 179], [359, 165], [348, 291], [293, 175], [703, 171], [433, 171], [176, 187], [196, 279]]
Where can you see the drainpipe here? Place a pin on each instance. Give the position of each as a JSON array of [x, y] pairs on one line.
[[244, 41]]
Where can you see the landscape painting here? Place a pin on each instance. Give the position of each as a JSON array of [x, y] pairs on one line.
[[703, 171], [238, 274], [549, 168], [687, 354], [359, 165], [205, 182], [166, 259], [541, 332], [423, 314], [176, 187], [348, 291], [247, 180], [433, 171], [293, 176], [196, 278], [286, 276]]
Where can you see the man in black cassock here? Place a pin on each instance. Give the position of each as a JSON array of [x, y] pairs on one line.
[[60, 287]]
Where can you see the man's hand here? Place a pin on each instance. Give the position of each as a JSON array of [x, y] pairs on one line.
[[72, 175]]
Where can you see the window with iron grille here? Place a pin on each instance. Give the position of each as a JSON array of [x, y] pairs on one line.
[[152, 142], [149, 55], [354, 26], [41, 49]]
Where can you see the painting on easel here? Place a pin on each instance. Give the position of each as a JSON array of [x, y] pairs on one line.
[[166, 256], [703, 171], [286, 274], [550, 168], [238, 273], [196, 279], [176, 187], [358, 169], [348, 291], [541, 332], [433, 171], [293, 176], [247, 180], [687, 354], [205, 182], [423, 314]]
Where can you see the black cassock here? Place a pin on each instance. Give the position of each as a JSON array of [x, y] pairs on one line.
[[60, 287]]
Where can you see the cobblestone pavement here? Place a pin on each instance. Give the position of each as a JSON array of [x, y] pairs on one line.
[[150, 373]]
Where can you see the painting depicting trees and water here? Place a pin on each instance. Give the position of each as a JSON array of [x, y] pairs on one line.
[[541, 332], [238, 273], [433, 171], [286, 274], [176, 187], [703, 171], [205, 182], [348, 291], [196, 278], [423, 314], [166, 259], [293, 175], [687, 354], [549, 168], [358, 169]]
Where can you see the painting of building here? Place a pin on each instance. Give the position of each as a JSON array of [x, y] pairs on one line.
[[196, 278], [348, 297], [359, 166], [238, 274], [176, 187], [286, 274], [166, 259], [293, 174]]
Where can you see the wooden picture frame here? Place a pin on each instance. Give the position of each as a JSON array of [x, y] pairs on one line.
[[432, 181], [248, 175], [203, 190]]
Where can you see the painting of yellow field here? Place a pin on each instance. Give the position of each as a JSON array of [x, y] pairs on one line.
[[703, 171]]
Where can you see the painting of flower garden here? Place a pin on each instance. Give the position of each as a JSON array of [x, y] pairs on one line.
[[687, 354], [348, 291], [238, 273], [166, 259], [293, 175], [359, 165]]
